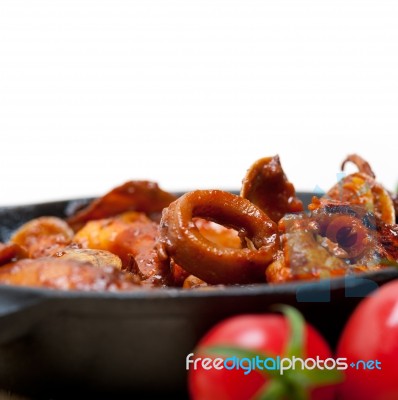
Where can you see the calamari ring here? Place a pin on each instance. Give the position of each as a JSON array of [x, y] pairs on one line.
[[350, 234], [215, 264]]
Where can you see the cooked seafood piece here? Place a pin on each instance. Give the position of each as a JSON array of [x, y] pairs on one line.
[[362, 189], [43, 236], [266, 186], [61, 274], [141, 196], [181, 240]]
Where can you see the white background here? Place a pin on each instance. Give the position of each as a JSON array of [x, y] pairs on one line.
[[190, 93]]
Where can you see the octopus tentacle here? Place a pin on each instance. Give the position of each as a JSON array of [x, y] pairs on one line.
[[361, 188], [362, 165], [267, 186]]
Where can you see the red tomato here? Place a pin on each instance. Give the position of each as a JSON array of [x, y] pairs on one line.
[[372, 334], [264, 333]]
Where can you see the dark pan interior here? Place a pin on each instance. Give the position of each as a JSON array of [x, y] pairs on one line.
[[58, 344]]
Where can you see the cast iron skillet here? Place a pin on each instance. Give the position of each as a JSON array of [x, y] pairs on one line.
[[61, 344]]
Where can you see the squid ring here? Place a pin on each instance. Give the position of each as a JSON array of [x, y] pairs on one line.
[[349, 233], [215, 264]]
